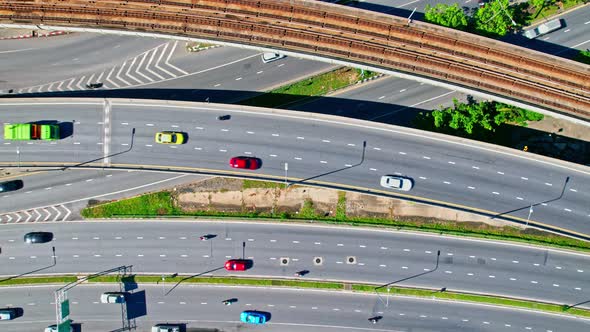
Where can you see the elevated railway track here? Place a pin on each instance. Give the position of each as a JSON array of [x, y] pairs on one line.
[[342, 33]]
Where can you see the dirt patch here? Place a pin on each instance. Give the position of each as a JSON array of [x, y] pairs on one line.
[[227, 195]]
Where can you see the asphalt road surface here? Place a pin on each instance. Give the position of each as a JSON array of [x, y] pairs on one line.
[[378, 257], [327, 151], [200, 308], [58, 195]]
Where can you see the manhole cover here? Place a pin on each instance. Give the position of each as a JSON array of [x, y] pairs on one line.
[[350, 260], [284, 260], [318, 261]]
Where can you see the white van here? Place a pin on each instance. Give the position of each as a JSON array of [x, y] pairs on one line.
[[166, 328], [270, 57], [542, 29]]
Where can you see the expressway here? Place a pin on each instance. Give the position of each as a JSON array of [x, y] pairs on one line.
[[200, 308], [329, 149], [379, 257]]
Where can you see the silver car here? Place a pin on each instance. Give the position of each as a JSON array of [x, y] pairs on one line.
[[112, 297], [166, 328], [397, 182]]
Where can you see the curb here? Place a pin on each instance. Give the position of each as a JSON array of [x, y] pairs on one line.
[[50, 34]]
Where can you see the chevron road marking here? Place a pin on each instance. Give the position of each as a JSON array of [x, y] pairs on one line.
[[9, 218], [59, 86], [170, 55], [147, 67], [79, 82], [29, 216], [48, 214], [100, 76], [160, 59], [30, 90], [39, 88], [19, 217], [139, 67], [58, 213], [69, 87], [49, 89], [67, 214], [109, 78], [129, 69], [119, 74], [38, 215], [90, 79]]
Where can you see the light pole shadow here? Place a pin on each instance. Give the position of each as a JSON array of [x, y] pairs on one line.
[[190, 277], [34, 271], [334, 171], [567, 179]]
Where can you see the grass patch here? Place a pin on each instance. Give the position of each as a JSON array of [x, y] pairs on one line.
[[341, 206], [154, 204], [307, 211], [318, 85], [250, 184], [475, 298], [548, 11], [38, 280], [227, 280]]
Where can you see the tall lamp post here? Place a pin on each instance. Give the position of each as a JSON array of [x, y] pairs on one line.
[[529, 217]]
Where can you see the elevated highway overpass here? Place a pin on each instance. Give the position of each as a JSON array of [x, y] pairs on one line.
[[339, 34]]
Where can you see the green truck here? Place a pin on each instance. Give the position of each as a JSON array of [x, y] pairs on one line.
[[30, 131]]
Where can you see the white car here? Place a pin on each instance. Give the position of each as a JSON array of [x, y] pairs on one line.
[[53, 328], [112, 297], [397, 182], [270, 57], [166, 328]]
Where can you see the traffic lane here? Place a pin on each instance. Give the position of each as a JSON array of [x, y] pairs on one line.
[[575, 30], [62, 57], [380, 257], [45, 188], [290, 310], [82, 132]]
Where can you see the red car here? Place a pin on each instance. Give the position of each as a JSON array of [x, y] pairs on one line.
[[236, 265], [245, 162]]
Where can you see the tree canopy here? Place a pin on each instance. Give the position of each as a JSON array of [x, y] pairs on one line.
[[451, 16]]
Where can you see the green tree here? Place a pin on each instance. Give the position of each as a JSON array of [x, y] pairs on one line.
[[494, 19], [583, 57], [478, 120], [449, 16]]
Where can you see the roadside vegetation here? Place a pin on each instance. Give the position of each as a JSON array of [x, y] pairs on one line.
[[497, 17], [164, 207], [475, 120], [583, 57], [314, 86], [391, 291]]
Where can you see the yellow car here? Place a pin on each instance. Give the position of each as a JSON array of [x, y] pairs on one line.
[[169, 137]]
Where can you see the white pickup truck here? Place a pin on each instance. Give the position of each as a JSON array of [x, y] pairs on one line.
[[542, 29]]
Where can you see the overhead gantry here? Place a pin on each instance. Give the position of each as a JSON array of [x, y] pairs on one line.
[[341, 34]]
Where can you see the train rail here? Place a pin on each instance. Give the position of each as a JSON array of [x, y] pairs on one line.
[[338, 32]]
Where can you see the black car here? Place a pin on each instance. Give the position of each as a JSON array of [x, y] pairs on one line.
[[224, 117], [11, 185], [38, 237]]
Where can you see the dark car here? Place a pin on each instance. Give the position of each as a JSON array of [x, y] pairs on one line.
[[245, 162], [224, 117], [11, 185], [38, 237]]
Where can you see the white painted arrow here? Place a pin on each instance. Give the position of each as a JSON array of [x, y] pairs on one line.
[[67, 214], [48, 214]]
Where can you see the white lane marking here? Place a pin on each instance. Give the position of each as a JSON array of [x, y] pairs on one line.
[[470, 187], [495, 193], [573, 190], [402, 90], [426, 157], [275, 135], [522, 177], [519, 198], [451, 162], [259, 72], [422, 178], [378, 149], [474, 167], [326, 140], [548, 184], [402, 153], [381, 97], [501, 173], [568, 210], [513, 279]]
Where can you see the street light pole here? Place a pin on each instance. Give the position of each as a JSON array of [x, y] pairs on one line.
[[286, 169], [529, 217]]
